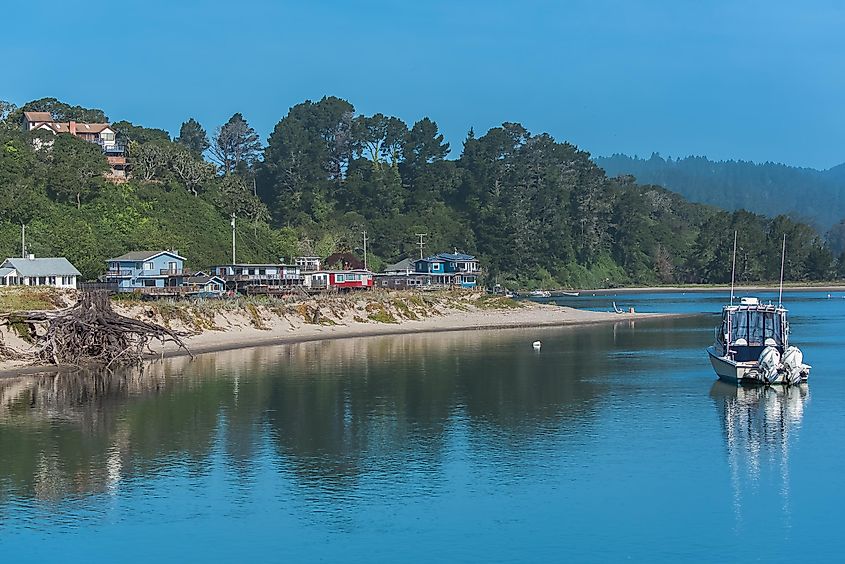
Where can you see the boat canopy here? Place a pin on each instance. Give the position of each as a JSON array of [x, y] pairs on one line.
[[754, 326]]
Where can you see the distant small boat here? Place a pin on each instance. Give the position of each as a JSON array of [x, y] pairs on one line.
[[571, 294], [536, 345], [540, 294]]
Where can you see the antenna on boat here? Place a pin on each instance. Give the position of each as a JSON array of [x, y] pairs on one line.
[[782, 261], [733, 269]]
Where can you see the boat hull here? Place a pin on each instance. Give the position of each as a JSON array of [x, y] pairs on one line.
[[743, 372], [730, 371]]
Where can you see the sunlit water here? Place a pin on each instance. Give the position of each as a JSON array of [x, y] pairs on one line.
[[614, 442]]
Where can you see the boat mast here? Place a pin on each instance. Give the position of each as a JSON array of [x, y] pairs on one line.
[[782, 261], [733, 269]]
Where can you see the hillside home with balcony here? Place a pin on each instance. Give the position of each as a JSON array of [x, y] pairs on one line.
[[146, 270], [100, 134]]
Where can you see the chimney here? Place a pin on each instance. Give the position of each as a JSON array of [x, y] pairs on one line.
[[72, 127]]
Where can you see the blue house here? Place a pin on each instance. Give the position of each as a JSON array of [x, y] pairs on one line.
[[146, 270], [450, 269]]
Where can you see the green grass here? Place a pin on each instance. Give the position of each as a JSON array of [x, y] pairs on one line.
[[27, 298]]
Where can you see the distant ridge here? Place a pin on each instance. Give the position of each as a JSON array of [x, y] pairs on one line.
[[814, 196]]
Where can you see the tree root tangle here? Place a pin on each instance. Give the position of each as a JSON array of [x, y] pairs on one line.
[[91, 332]]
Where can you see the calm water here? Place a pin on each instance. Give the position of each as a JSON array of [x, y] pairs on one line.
[[612, 443]]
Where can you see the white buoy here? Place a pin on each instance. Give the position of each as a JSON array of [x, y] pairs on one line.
[[537, 345]]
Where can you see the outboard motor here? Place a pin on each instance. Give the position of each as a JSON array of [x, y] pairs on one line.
[[769, 365], [793, 364]]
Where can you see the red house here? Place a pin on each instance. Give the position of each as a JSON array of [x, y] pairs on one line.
[[339, 279]]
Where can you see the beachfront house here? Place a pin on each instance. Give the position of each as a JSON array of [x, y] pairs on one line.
[[264, 278], [30, 271], [308, 264], [450, 269], [341, 280], [145, 271], [402, 276], [100, 134], [203, 285]]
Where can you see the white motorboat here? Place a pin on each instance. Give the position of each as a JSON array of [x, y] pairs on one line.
[[752, 346], [540, 294]]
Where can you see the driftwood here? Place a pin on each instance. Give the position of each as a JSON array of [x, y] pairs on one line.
[[90, 332], [8, 353]]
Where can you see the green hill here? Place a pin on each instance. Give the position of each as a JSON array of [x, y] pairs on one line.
[[537, 211]]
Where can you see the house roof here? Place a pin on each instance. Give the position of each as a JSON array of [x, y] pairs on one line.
[[204, 279], [402, 265], [64, 127], [5, 271], [353, 271], [143, 255], [455, 256], [430, 259], [53, 266], [37, 116], [255, 264]]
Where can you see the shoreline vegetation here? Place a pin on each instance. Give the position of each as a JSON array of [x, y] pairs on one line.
[[217, 325]]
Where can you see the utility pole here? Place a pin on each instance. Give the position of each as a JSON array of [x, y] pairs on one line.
[[365, 250], [233, 237], [421, 243], [23, 240]]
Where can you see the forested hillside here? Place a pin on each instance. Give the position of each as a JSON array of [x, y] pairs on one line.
[[537, 211], [817, 197]]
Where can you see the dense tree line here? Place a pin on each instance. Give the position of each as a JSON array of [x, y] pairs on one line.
[[806, 194], [539, 212]]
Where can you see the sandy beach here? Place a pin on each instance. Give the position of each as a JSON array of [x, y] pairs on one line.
[[237, 330]]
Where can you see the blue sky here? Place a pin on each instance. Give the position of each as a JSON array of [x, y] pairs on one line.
[[727, 79]]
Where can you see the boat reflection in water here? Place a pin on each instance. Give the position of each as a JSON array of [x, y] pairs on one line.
[[758, 423]]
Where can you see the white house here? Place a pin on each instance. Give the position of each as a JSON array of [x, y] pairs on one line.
[[307, 264], [30, 271]]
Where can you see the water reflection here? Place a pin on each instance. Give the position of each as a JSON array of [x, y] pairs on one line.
[[758, 424], [329, 418], [329, 412]]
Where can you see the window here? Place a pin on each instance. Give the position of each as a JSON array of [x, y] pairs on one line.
[[338, 278], [262, 271], [149, 266], [149, 283], [52, 280], [42, 280]]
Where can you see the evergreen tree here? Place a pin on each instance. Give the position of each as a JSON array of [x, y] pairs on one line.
[[193, 137]]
